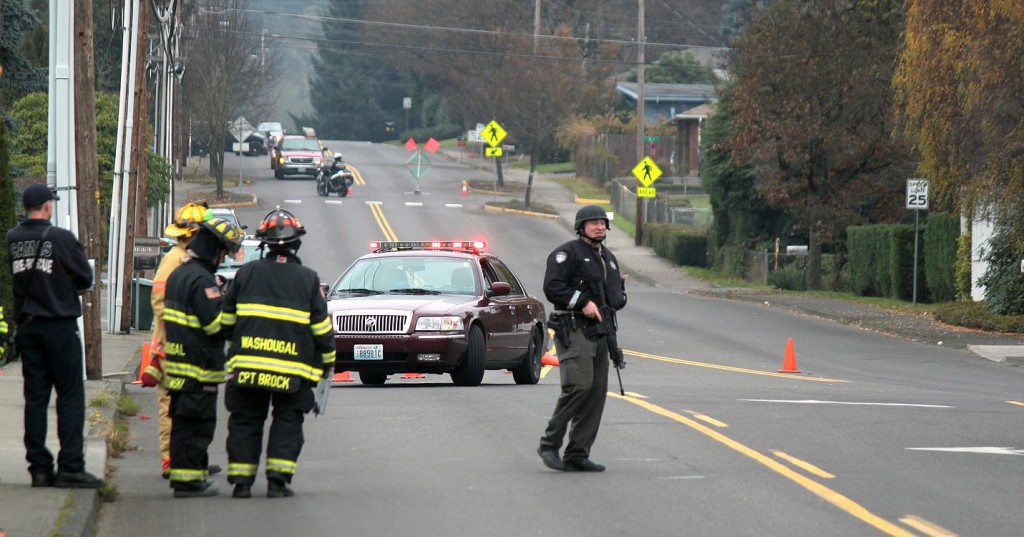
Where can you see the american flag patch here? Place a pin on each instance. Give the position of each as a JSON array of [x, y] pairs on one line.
[[212, 292]]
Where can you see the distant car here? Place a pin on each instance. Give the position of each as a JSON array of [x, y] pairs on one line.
[[250, 251], [272, 131], [435, 307], [297, 155], [227, 213]]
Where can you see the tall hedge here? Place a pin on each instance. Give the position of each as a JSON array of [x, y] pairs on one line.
[[684, 245], [942, 230]]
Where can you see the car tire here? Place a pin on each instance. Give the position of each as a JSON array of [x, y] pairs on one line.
[[471, 371], [373, 378], [528, 372]]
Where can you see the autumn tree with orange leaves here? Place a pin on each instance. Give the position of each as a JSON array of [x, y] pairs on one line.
[[958, 87]]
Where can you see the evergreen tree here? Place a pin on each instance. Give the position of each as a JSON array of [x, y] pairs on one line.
[[352, 92], [20, 76]]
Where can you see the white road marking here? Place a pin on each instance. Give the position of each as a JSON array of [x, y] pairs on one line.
[[413, 204], [453, 205], [816, 402], [334, 202], [370, 202], [293, 201], [981, 449]]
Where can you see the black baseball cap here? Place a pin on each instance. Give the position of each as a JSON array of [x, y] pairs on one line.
[[37, 194]]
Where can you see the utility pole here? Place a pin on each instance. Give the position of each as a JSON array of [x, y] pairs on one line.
[[536, 24], [87, 173], [640, 113]]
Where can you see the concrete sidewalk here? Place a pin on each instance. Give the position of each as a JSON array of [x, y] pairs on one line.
[[44, 512]]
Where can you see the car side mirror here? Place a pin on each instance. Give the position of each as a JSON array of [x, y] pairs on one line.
[[500, 289], [323, 289]]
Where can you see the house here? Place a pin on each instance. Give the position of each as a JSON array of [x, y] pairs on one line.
[[688, 130], [663, 101]]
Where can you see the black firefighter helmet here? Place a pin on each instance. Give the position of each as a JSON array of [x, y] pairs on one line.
[[280, 227]]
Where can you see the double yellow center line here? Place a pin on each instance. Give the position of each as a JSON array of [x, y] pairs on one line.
[[382, 223]]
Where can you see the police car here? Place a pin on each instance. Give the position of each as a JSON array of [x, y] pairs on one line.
[[435, 308]]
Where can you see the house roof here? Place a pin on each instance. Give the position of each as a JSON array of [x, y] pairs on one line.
[[658, 92], [698, 112]]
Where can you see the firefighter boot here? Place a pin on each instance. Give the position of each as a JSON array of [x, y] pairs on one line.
[[277, 488], [242, 490]]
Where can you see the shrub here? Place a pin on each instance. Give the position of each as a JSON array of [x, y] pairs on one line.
[[790, 277], [940, 255]]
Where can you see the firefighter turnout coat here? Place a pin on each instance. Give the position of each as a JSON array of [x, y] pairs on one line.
[[277, 321], [192, 321]]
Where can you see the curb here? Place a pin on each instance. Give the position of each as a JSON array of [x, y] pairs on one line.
[[493, 209], [587, 201]]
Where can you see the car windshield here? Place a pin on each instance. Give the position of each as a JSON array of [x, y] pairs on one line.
[[250, 251], [300, 144], [228, 215], [269, 126], [409, 275]]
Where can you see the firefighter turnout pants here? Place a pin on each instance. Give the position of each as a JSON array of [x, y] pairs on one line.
[[193, 421], [249, 408]]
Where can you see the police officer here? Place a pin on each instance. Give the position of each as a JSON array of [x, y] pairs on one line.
[[182, 230], [581, 276], [194, 363], [50, 271], [281, 346]]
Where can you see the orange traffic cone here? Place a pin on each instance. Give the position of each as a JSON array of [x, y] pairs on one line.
[[349, 191], [547, 359], [789, 362], [343, 376], [146, 359], [413, 376], [465, 189]]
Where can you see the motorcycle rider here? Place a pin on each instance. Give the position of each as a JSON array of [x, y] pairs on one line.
[[336, 177]]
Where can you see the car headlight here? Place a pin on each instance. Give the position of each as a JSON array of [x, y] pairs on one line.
[[439, 323]]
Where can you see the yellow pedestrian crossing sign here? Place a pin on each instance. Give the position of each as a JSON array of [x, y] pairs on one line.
[[493, 134], [647, 171], [492, 151]]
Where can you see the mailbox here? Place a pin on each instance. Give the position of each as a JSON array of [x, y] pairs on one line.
[[146, 253]]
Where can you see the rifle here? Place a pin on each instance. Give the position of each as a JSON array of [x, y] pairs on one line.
[[608, 328]]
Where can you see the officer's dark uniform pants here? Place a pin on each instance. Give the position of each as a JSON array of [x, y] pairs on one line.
[[249, 407], [51, 358], [583, 369], [193, 421]]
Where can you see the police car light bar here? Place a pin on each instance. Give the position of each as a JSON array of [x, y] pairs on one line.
[[451, 246]]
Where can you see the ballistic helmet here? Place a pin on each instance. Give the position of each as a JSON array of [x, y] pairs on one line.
[[186, 220], [590, 212], [280, 227], [229, 235]]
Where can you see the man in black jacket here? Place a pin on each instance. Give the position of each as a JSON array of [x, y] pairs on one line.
[[574, 272], [282, 344], [50, 271], [194, 362]]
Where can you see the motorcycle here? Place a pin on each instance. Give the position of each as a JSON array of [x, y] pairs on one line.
[[331, 179]]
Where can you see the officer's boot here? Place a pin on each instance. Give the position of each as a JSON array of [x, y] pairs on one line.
[[277, 488]]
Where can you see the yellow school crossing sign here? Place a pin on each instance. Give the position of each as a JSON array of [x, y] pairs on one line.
[[493, 134], [647, 171]]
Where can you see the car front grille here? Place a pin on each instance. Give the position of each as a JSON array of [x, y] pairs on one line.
[[300, 160], [371, 324]]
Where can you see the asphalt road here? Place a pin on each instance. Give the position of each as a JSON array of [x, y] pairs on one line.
[[876, 435]]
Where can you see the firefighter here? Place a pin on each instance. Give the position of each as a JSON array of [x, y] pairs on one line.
[[194, 363], [281, 346], [182, 230]]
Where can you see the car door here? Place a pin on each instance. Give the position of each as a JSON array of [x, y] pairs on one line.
[[499, 318], [522, 307]]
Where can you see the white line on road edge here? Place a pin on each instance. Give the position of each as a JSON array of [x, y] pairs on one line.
[[413, 204], [980, 449], [815, 402]]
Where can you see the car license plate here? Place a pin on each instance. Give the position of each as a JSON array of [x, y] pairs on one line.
[[368, 352]]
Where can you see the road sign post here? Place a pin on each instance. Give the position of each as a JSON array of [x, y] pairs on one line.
[[917, 200], [418, 164]]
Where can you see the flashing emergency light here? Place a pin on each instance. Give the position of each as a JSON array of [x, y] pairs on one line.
[[448, 246]]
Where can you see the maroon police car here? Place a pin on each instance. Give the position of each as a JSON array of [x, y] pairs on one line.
[[435, 308]]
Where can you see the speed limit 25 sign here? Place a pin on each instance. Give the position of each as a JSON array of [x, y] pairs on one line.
[[917, 194]]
